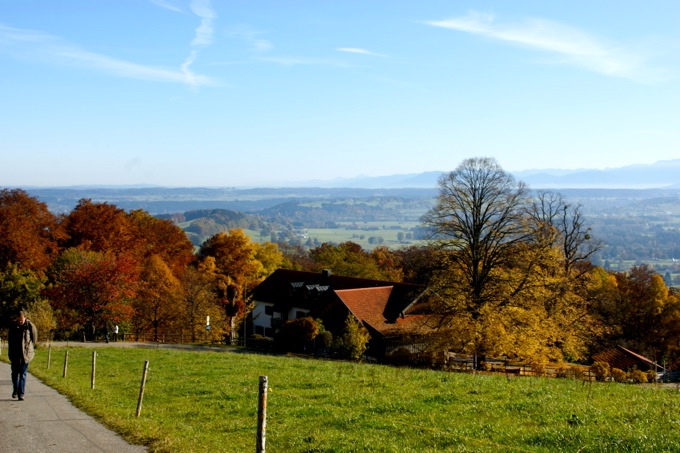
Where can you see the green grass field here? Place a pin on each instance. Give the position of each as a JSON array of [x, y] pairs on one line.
[[207, 401]]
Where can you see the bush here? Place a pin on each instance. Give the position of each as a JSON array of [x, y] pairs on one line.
[[638, 376], [260, 343], [619, 375], [324, 340], [601, 370], [354, 340], [651, 376], [295, 335]]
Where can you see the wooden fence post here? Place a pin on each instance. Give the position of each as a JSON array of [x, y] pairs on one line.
[[65, 363], [141, 388], [94, 368], [49, 356], [262, 416]]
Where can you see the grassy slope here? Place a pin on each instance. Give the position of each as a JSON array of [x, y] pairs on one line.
[[207, 401]]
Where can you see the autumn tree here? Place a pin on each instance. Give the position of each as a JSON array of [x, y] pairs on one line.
[[156, 303], [420, 262], [92, 289], [100, 227], [199, 298], [19, 289], [500, 281], [162, 238], [29, 233], [350, 259], [239, 265], [234, 256], [296, 257], [479, 217], [564, 225]]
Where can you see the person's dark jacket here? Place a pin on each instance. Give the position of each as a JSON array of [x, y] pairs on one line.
[[21, 342]]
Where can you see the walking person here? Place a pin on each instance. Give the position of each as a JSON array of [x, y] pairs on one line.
[[20, 349]]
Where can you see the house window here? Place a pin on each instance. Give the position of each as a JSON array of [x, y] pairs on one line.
[[300, 314], [268, 310]]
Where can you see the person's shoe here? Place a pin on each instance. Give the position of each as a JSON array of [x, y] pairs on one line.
[[14, 394], [21, 397]]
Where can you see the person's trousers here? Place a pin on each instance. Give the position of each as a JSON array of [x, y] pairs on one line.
[[19, 370]]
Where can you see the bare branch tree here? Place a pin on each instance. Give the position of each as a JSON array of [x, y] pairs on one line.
[[479, 218]]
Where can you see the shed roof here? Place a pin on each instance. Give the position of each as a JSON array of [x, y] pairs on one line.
[[625, 359]]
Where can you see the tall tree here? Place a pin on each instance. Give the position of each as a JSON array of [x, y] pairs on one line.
[[199, 298], [502, 287], [234, 256], [157, 304], [91, 289], [564, 225], [479, 216], [239, 265], [29, 232]]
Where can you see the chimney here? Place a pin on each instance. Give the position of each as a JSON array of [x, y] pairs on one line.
[[326, 273]]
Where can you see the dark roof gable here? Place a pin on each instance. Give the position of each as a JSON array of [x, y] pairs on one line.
[[303, 289]]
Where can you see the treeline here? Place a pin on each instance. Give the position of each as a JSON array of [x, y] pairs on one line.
[[517, 282], [82, 273], [324, 214], [204, 223]]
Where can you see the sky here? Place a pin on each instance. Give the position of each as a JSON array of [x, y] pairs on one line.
[[231, 93]]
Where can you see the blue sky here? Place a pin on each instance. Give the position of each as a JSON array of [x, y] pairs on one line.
[[249, 92]]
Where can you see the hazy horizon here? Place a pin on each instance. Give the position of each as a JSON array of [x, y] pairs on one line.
[[638, 173]]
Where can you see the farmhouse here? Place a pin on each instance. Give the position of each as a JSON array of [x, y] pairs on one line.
[[388, 310]]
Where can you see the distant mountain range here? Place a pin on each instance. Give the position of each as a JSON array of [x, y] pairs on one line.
[[662, 174]]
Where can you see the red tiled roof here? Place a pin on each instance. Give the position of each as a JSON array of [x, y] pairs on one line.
[[368, 305]]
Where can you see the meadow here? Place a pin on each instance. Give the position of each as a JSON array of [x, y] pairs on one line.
[[207, 401]]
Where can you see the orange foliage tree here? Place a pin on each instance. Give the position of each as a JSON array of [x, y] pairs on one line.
[[157, 300], [29, 232], [91, 290], [239, 265]]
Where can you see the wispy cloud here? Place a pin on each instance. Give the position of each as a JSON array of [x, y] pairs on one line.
[[359, 51], [167, 5], [42, 47], [300, 61], [569, 44], [204, 32], [251, 37]]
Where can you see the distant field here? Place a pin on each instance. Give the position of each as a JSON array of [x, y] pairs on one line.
[[359, 232], [207, 401], [385, 233]]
